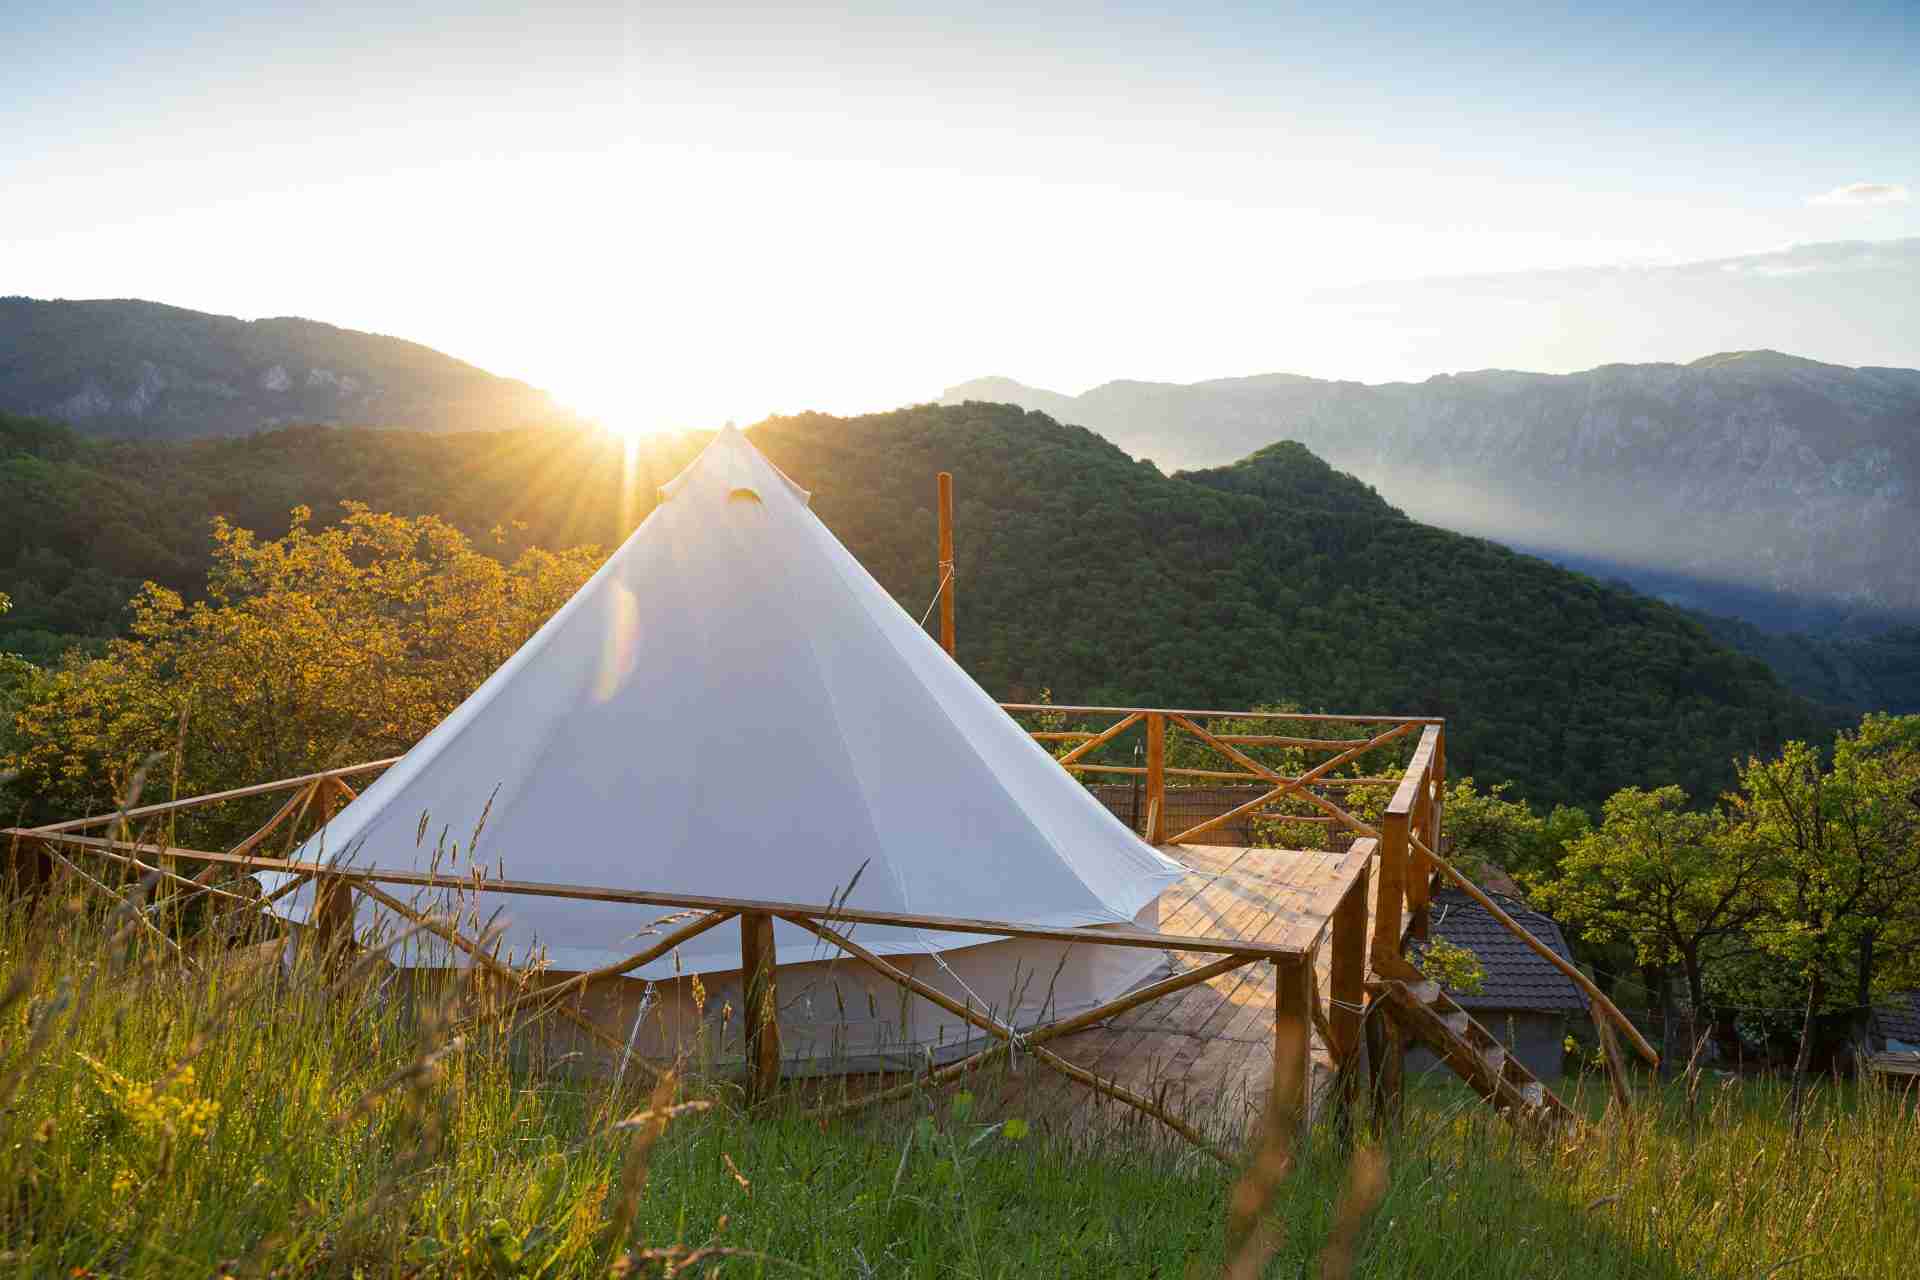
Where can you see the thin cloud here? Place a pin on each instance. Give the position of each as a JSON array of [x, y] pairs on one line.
[[1855, 193]]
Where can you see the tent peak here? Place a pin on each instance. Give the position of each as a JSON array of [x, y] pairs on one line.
[[732, 467]]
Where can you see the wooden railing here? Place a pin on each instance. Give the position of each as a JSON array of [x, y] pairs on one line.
[[1409, 834], [1403, 851], [50, 852], [1157, 724]]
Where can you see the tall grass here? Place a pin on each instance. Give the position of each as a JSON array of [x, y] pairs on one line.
[[208, 1115]]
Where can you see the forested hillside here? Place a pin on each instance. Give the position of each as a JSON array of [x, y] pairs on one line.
[[1776, 489], [1276, 580]]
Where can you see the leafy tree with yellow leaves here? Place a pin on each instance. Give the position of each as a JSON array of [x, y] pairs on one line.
[[312, 650]]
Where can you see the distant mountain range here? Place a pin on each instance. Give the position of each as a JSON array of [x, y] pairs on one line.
[[1777, 489], [147, 371]]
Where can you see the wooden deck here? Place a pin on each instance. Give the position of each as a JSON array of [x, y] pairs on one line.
[[1209, 1050]]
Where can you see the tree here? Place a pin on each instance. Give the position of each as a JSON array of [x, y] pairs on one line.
[[17, 676], [311, 650], [1844, 844], [1677, 886], [1485, 830]]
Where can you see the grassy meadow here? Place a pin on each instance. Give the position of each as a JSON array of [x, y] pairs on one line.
[[198, 1114]]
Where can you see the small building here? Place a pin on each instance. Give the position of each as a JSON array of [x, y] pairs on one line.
[[1525, 1001], [1893, 1036]]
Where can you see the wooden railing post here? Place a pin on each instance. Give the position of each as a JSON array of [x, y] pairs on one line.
[[1386, 1070], [1420, 867], [946, 561], [1388, 903], [330, 923], [1347, 991], [1346, 983], [29, 868], [1156, 832], [1292, 1047], [760, 1016]]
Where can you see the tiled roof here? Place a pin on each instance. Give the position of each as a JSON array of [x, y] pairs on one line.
[[1516, 979], [1898, 1018]]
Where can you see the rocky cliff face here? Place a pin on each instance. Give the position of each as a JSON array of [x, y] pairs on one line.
[[140, 369], [1775, 488]]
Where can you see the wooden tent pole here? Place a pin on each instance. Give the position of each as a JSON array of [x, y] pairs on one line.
[[946, 562]]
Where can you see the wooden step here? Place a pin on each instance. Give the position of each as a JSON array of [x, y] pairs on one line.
[[1472, 1052]]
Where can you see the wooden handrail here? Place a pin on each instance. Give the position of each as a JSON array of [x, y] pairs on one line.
[[1308, 717], [1100, 935], [1297, 784], [1547, 953], [1407, 796], [1222, 775], [1412, 799], [194, 802]]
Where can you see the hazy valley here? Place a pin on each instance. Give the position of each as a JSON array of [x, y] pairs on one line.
[[1776, 489]]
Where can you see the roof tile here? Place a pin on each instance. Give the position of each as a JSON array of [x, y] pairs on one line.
[[1517, 979]]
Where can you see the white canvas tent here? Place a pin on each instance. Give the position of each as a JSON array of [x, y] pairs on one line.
[[733, 707]]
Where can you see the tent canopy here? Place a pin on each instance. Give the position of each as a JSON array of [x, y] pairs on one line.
[[731, 706]]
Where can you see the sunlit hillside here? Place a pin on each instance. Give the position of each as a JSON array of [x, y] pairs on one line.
[[1277, 580]]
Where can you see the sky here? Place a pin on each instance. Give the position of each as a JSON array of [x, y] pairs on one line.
[[675, 215]]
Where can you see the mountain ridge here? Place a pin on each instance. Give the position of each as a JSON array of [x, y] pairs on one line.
[[133, 368], [1786, 479]]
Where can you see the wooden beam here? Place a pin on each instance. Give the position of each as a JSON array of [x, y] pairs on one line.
[[1114, 1008], [1347, 976], [1102, 738], [1292, 784], [480, 957], [296, 804], [761, 1015], [1616, 1064], [1224, 775], [946, 561], [1156, 832], [1051, 1031], [1420, 867], [132, 912], [330, 923], [1390, 901], [679, 937], [1047, 1056], [1102, 935], [29, 865], [1408, 793], [1293, 1002], [1594, 994], [1305, 718], [1281, 740], [194, 802], [1386, 1071]]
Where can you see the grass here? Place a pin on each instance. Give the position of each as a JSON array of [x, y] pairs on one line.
[[158, 1119]]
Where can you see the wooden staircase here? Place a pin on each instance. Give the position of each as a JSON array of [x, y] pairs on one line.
[[1427, 1014]]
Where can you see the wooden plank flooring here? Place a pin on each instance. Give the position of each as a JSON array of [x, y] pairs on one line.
[[1208, 1050]]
